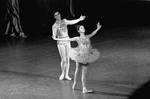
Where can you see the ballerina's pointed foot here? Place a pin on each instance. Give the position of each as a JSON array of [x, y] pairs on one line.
[[73, 86], [87, 91], [61, 77], [68, 78]]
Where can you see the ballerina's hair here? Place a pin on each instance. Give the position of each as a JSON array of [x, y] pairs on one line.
[[78, 26]]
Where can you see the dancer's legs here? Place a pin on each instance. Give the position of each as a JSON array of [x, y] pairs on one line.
[[17, 26], [68, 46], [62, 52], [7, 28], [83, 79], [76, 74], [16, 18]]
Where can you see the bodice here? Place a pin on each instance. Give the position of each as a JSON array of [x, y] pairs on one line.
[[84, 44]]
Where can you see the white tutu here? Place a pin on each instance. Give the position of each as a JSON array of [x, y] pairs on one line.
[[84, 57]]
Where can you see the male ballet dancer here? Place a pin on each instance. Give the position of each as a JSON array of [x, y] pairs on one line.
[[60, 30]]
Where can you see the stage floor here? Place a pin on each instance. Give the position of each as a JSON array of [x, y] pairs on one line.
[[30, 67]]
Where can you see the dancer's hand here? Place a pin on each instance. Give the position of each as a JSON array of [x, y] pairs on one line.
[[82, 17], [98, 25], [53, 37]]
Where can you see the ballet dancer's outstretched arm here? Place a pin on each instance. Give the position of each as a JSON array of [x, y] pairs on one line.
[[66, 39], [94, 32], [71, 22]]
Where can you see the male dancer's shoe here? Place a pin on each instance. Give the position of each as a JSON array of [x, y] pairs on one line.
[[87, 91], [68, 78], [61, 77]]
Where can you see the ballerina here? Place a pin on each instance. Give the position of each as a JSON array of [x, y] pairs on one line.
[[59, 30], [83, 55]]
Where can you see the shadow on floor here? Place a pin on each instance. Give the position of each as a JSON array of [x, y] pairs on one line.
[[110, 93], [142, 92]]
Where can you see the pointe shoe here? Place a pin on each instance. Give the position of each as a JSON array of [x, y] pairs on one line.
[[73, 86], [87, 91], [68, 78], [61, 77]]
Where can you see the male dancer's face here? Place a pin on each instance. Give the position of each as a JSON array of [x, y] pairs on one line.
[[57, 16]]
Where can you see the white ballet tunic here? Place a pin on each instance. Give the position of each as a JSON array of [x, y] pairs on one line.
[[84, 53]]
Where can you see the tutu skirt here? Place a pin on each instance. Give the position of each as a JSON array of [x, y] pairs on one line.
[[84, 57]]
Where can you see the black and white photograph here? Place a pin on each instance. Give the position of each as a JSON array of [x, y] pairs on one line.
[[74, 49]]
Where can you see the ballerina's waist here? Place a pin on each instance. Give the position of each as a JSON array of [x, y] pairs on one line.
[[85, 51]]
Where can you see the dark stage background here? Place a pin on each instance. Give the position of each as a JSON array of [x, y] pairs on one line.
[[37, 15]]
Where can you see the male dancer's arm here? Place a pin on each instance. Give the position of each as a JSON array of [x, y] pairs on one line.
[[54, 31], [66, 39], [71, 22]]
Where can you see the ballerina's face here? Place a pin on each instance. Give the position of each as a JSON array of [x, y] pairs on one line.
[[81, 29]]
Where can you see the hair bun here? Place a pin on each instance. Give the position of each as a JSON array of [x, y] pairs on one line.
[[78, 26]]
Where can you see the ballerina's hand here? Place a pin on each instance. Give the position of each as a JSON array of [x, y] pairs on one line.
[[82, 17], [98, 25], [54, 38]]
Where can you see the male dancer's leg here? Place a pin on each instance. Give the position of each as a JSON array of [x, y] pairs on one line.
[[62, 52], [68, 46]]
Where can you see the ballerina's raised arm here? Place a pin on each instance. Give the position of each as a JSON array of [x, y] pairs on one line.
[[94, 32]]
